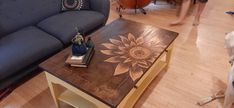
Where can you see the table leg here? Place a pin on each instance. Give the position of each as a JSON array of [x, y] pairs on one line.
[[55, 85], [168, 56], [119, 10], [155, 2], [54, 91]]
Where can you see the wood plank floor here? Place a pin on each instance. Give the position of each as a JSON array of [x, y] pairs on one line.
[[198, 68]]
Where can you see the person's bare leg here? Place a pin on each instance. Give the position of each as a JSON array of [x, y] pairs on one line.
[[183, 12], [200, 9], [229, 97]]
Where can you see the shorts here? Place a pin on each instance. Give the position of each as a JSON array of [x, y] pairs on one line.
[[203, 1]]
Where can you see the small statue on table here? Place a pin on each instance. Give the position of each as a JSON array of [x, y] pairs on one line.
[[82, 52], [89, 43], [78, 47]]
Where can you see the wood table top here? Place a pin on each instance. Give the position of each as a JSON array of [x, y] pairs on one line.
[[124, 51]]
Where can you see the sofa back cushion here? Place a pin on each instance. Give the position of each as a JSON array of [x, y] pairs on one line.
[[75, 5], [15, 14]]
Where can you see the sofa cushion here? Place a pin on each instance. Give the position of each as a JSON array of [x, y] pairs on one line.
[[75, 5], [23, 48], [16, 14], [63, 26]]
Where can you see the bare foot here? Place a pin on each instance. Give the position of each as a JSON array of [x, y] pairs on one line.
[[176, 22], [196, 22]]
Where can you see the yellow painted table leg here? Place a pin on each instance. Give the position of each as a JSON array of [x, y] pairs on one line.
[[168, 55], [54, 91]]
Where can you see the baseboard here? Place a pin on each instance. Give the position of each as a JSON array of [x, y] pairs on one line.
[[4, 93]]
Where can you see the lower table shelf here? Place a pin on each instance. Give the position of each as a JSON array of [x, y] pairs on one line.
[[75, 100]]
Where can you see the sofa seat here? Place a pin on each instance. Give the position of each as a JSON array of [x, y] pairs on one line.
[[63, 25], [23, 48]]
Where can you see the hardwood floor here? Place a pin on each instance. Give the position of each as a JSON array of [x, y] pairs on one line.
[[198, 68]]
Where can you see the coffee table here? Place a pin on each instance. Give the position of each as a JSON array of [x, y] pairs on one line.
[[128, 56]]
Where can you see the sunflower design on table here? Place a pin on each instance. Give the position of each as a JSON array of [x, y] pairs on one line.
[[132, 54]]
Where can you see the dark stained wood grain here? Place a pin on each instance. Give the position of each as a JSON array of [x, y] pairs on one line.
[[98, 80]]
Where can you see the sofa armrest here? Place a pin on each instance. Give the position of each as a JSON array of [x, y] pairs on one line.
[[102, 6]]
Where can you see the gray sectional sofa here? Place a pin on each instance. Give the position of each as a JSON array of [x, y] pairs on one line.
[[33, 30]]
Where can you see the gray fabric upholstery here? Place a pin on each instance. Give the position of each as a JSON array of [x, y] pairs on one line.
[[63, 25], [102, 6], [23, 48], [17, 77], [15, 14]]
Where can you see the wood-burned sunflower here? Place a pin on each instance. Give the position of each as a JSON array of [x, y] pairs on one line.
[[132, 54]]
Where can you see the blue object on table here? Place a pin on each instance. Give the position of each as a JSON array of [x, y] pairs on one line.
[[78, 49]]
